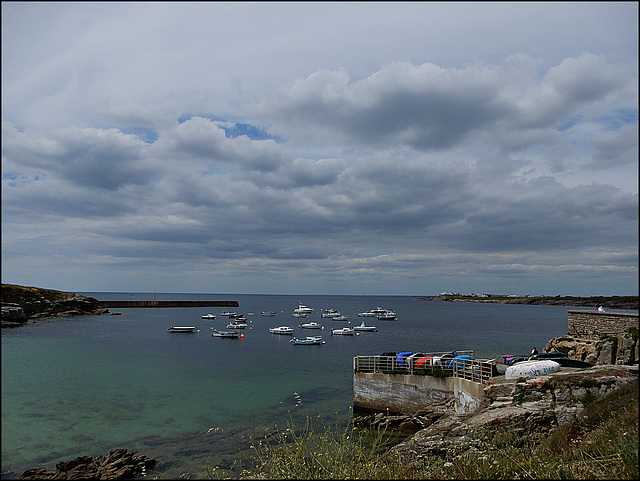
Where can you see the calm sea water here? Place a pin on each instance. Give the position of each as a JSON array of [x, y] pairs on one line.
[[86, 385]]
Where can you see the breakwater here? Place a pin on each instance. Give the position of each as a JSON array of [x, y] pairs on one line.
[[155, 303]]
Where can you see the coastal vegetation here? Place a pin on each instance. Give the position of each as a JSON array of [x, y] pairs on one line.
[[601, 442]]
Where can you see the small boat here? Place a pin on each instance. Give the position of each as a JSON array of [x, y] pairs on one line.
[[181, 329], [302, 309], [345, 331], [208, 316], [281, 330], [340, 317], [459, 362], [366, 314], [362, 327], [228, 313], [311, 325], [299, 314], [531, 368], [236, 325], [268, 313], [330, 313], [387, 316], [378, 310], [308, 340], [227, 334], [238, 317]]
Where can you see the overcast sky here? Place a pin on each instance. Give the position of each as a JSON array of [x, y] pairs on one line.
[[321, 148]]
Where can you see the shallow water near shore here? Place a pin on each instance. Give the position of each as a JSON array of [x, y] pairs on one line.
[[86, 385]]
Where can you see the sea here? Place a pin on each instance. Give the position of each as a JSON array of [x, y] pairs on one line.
[[82, 386]]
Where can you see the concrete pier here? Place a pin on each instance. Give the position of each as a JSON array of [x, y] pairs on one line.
[[155, 303]]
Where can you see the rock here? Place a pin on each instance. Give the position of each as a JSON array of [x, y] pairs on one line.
[[22, 304], [118, 464], [621, 349], [537, 406]]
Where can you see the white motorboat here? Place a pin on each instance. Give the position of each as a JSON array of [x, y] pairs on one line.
[[329, 313], [309, 340], [388, 315], [286, 330], [378, 310], [345, 331], [237, 325], [340, 318], [366, 314], [268, 313], [300, 314], [302, 309], [226, 334], [311, 325], [228, 313], [363, 327], [181, 329], [209, 316]]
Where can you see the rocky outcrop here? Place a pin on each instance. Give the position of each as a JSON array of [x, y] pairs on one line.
[[408, 424], [619, 349], [23, 304], [118, 464], [530, 408]]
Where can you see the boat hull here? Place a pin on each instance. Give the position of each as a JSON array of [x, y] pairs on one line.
[[181, 329], [226, 334], [307, 341], [531, 369]]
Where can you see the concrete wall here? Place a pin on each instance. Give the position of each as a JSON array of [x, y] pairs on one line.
[[585, 324], [407, 394]]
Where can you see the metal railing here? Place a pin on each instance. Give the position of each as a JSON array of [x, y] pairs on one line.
[[437, 364]]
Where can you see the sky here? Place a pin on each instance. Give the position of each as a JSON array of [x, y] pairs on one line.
[[382, 148]]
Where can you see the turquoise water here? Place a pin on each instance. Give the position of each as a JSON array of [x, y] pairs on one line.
[[85, 385]]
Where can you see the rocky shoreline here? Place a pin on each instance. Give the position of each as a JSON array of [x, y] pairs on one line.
[[22, 305], [118, 464]]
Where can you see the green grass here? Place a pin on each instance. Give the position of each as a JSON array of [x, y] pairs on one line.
[[601, 442]]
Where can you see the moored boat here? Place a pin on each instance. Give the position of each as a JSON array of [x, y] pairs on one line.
[[387, 316], [302, 309], [309, 340], [329, 313], [268, 313], [286, 330], [209, 316], [345, 331], [311, 325], [363, 327], [366, 314], [226, 334], [340, 317], [228, 313], [236, 325], [181, 329]]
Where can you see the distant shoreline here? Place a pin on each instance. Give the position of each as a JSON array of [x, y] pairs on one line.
[[612, 302]]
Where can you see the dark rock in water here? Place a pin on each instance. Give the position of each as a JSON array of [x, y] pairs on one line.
[[118, 464]]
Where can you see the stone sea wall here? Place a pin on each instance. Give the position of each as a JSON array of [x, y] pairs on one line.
[[585, 324], [599, 338]]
